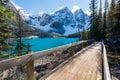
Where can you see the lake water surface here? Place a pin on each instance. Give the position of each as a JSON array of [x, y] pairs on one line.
[[39, 44]]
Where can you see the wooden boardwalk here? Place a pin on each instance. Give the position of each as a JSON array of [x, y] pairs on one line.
[[86, 66]]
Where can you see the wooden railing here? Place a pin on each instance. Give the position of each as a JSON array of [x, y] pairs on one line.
[[29, 59], [106, 70], [9, 63]]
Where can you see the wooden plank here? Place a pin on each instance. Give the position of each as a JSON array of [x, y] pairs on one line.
[[64, 63]]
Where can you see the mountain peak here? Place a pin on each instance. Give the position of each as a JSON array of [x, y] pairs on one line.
[[63, 10], [64, 15]]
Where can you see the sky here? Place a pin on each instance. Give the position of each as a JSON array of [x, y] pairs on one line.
[[49, 6]]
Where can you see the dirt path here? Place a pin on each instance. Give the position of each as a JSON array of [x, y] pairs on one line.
[[84, 67]]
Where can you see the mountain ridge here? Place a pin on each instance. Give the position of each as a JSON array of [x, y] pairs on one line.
[[62, 21]]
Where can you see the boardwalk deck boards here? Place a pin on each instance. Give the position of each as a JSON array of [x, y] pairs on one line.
[[84, 67]]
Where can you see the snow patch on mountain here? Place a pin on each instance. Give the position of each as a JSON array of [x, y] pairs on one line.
[[21, 11], [75, 8], [88, 12], [41, 13], [16, 6]]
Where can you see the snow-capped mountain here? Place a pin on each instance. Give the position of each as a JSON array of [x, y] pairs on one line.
[[62, 21]]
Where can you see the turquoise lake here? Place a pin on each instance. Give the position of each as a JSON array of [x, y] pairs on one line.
[[39, 44]]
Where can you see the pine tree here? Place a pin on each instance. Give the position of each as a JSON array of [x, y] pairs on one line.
[[100, 26], [94, 31], [117, 20], [21, 47], [5, 32], [112, 6], [105, 20], [111, 22]]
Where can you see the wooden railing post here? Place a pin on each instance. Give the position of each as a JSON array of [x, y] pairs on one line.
[[30, 69]]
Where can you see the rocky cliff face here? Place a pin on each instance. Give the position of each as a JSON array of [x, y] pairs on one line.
[[45, 19]]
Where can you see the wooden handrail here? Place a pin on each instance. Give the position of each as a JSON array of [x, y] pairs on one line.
[[10, 63], [106, 70]]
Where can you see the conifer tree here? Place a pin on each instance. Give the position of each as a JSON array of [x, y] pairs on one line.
[[100, 26], [94, 31], [21, 47], [117, 20], [105, 20], [112, 6], [111, 22], [5, 33], [19, 44]]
